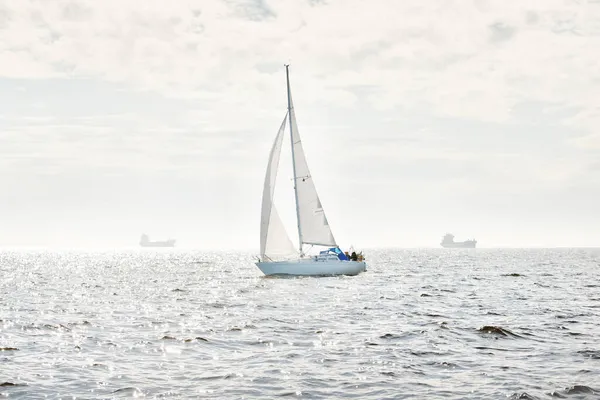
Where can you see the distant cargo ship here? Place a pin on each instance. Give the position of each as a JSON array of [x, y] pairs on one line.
[[146, 242], [449, 243]]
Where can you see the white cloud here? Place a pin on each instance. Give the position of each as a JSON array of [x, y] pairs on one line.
[[462, 59], [588, 142]]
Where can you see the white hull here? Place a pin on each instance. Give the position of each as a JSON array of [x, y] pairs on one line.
[[310, 267]]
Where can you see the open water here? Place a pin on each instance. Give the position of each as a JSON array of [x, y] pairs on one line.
[[451, 324]]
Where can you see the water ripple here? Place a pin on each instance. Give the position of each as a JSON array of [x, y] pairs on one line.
[[519, 324]]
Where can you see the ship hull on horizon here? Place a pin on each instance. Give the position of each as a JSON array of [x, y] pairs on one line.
[[469, 244], [167, 243]]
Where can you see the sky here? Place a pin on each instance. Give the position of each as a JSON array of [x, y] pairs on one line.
[[476, 117]]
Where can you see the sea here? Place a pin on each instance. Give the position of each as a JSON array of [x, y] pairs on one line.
[[418, 324]]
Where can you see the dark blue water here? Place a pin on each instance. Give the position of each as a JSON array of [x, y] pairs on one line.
[[441, 323]]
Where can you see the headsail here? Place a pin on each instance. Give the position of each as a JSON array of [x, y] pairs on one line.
[[274, 240], [312, 225]]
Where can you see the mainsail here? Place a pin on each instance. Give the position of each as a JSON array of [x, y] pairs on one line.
[[274, 240], [313, 227]]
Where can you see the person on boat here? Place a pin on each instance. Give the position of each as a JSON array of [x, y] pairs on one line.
[[354, 257], [347, 255]]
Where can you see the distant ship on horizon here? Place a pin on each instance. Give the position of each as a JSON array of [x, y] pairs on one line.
[[449, 243], [146, 242]]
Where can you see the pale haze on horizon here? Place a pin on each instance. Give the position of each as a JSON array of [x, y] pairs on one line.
[[120, 117]]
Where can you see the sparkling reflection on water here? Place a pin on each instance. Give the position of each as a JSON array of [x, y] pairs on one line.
[[418, 324]]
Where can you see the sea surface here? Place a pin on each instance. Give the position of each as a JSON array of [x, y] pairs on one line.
[[420, 323]]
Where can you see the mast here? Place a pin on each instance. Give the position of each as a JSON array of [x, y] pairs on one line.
[[289, 98]]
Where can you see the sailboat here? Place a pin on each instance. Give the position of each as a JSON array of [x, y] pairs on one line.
[[278, 256]]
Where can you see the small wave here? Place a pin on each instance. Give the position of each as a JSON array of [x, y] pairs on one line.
[[400, 336], [57, 327], [593, 354], [497, 330], [514, 274], [443, 364], [522, 396], [9, 384], [217, 305], [100, 366], [425, 353], [130, 391], [490, 348], [569, 316], [389, 336], [574, 390], [197, 338], [435, 315], [211, 377], [289, 394], [33, 326]]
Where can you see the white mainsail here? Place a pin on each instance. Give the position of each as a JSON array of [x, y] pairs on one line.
[[274, 240], [313, 227]]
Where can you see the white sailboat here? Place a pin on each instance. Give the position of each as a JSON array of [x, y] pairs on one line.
[[278, 256]]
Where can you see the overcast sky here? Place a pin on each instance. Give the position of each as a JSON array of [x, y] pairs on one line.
[[477, 117]]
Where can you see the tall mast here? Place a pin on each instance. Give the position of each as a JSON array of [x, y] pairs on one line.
[[289, 97]]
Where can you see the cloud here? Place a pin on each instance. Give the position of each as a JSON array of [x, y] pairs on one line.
[[587, 142], [68, 145], [459, 59]]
